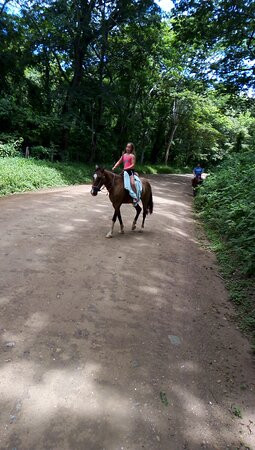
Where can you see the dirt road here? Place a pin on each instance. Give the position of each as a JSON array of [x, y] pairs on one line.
[[125, 343]]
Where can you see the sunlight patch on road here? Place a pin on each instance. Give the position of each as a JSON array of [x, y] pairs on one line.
[[4, 300], [201, 418], [66, 228], [149, 290], [173, 216], [77, 390], [190, 402], [34, 324], [175, 230], [41, 252], [164, 201], [162, 276], [97, 210], [189, 366], [37, 321]]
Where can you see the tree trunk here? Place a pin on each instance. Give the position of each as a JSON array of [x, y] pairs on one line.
[[93, 137], [170, 142], [142, 156], [47, 80], [80, 45], [143, 146]]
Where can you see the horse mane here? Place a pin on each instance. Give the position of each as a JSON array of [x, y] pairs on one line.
[[112, 173]]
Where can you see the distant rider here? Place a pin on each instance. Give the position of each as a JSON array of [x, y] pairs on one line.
[[197, 172]]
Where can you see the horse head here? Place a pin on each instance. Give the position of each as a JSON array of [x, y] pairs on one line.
[[98, 180]]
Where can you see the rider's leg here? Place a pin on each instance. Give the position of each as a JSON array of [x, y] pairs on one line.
[[132, 182]]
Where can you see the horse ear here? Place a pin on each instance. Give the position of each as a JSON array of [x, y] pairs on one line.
[[97, 167]]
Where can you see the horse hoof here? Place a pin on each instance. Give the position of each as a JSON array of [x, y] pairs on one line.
[[109, 235], [133, 228], [141, 230], [122, 232]]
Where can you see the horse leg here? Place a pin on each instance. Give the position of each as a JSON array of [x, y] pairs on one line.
[[144, 217], [121, 223], [138, 211], [146, 206], [109, 235]]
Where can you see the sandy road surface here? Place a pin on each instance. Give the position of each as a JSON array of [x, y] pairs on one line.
[[116, 344]]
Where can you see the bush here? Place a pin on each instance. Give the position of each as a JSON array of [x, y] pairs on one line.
[[228, 207], [11, 148], [226, 204], [40, 152], [20, 174]]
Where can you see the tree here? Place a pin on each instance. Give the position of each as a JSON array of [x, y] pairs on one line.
[[221, 34], [85, 77]]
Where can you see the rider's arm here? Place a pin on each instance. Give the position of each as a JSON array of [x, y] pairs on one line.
[[118, 163], [132, 166]]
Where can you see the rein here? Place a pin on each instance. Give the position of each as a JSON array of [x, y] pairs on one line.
[[97, 188], [112, 182]]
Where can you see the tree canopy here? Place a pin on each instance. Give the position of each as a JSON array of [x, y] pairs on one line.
[[80, 78]]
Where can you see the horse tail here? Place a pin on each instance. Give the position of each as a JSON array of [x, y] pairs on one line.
[[150, 204]]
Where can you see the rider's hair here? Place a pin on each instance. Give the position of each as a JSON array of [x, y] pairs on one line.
[[132, 146]]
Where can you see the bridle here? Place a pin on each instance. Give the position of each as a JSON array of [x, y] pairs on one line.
[[98, 187], [101, 185]]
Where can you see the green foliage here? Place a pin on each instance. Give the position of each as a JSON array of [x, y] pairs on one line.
[[226, 204], [86, 80], [10, 148], [20, 174], [220, 36], [163, 398], [236, 410], [41, 152]]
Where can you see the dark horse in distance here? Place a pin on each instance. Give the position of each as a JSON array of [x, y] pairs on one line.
[[118, 195], [196, 181]]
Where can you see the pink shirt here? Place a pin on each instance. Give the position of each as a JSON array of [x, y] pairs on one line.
[[128, 160]]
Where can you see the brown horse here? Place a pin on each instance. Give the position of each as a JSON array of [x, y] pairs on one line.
[[196, 181], [118, 195]]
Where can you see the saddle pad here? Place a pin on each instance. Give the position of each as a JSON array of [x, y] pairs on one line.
[[138, 183]]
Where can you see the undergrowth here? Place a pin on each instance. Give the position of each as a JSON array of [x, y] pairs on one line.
[[226, 204], [20, 174]]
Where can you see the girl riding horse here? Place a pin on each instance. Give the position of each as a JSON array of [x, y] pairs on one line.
[[128, 159], [118, 195]]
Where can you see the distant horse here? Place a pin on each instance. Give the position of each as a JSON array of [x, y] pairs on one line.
[[196, 181], [118, 195]]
